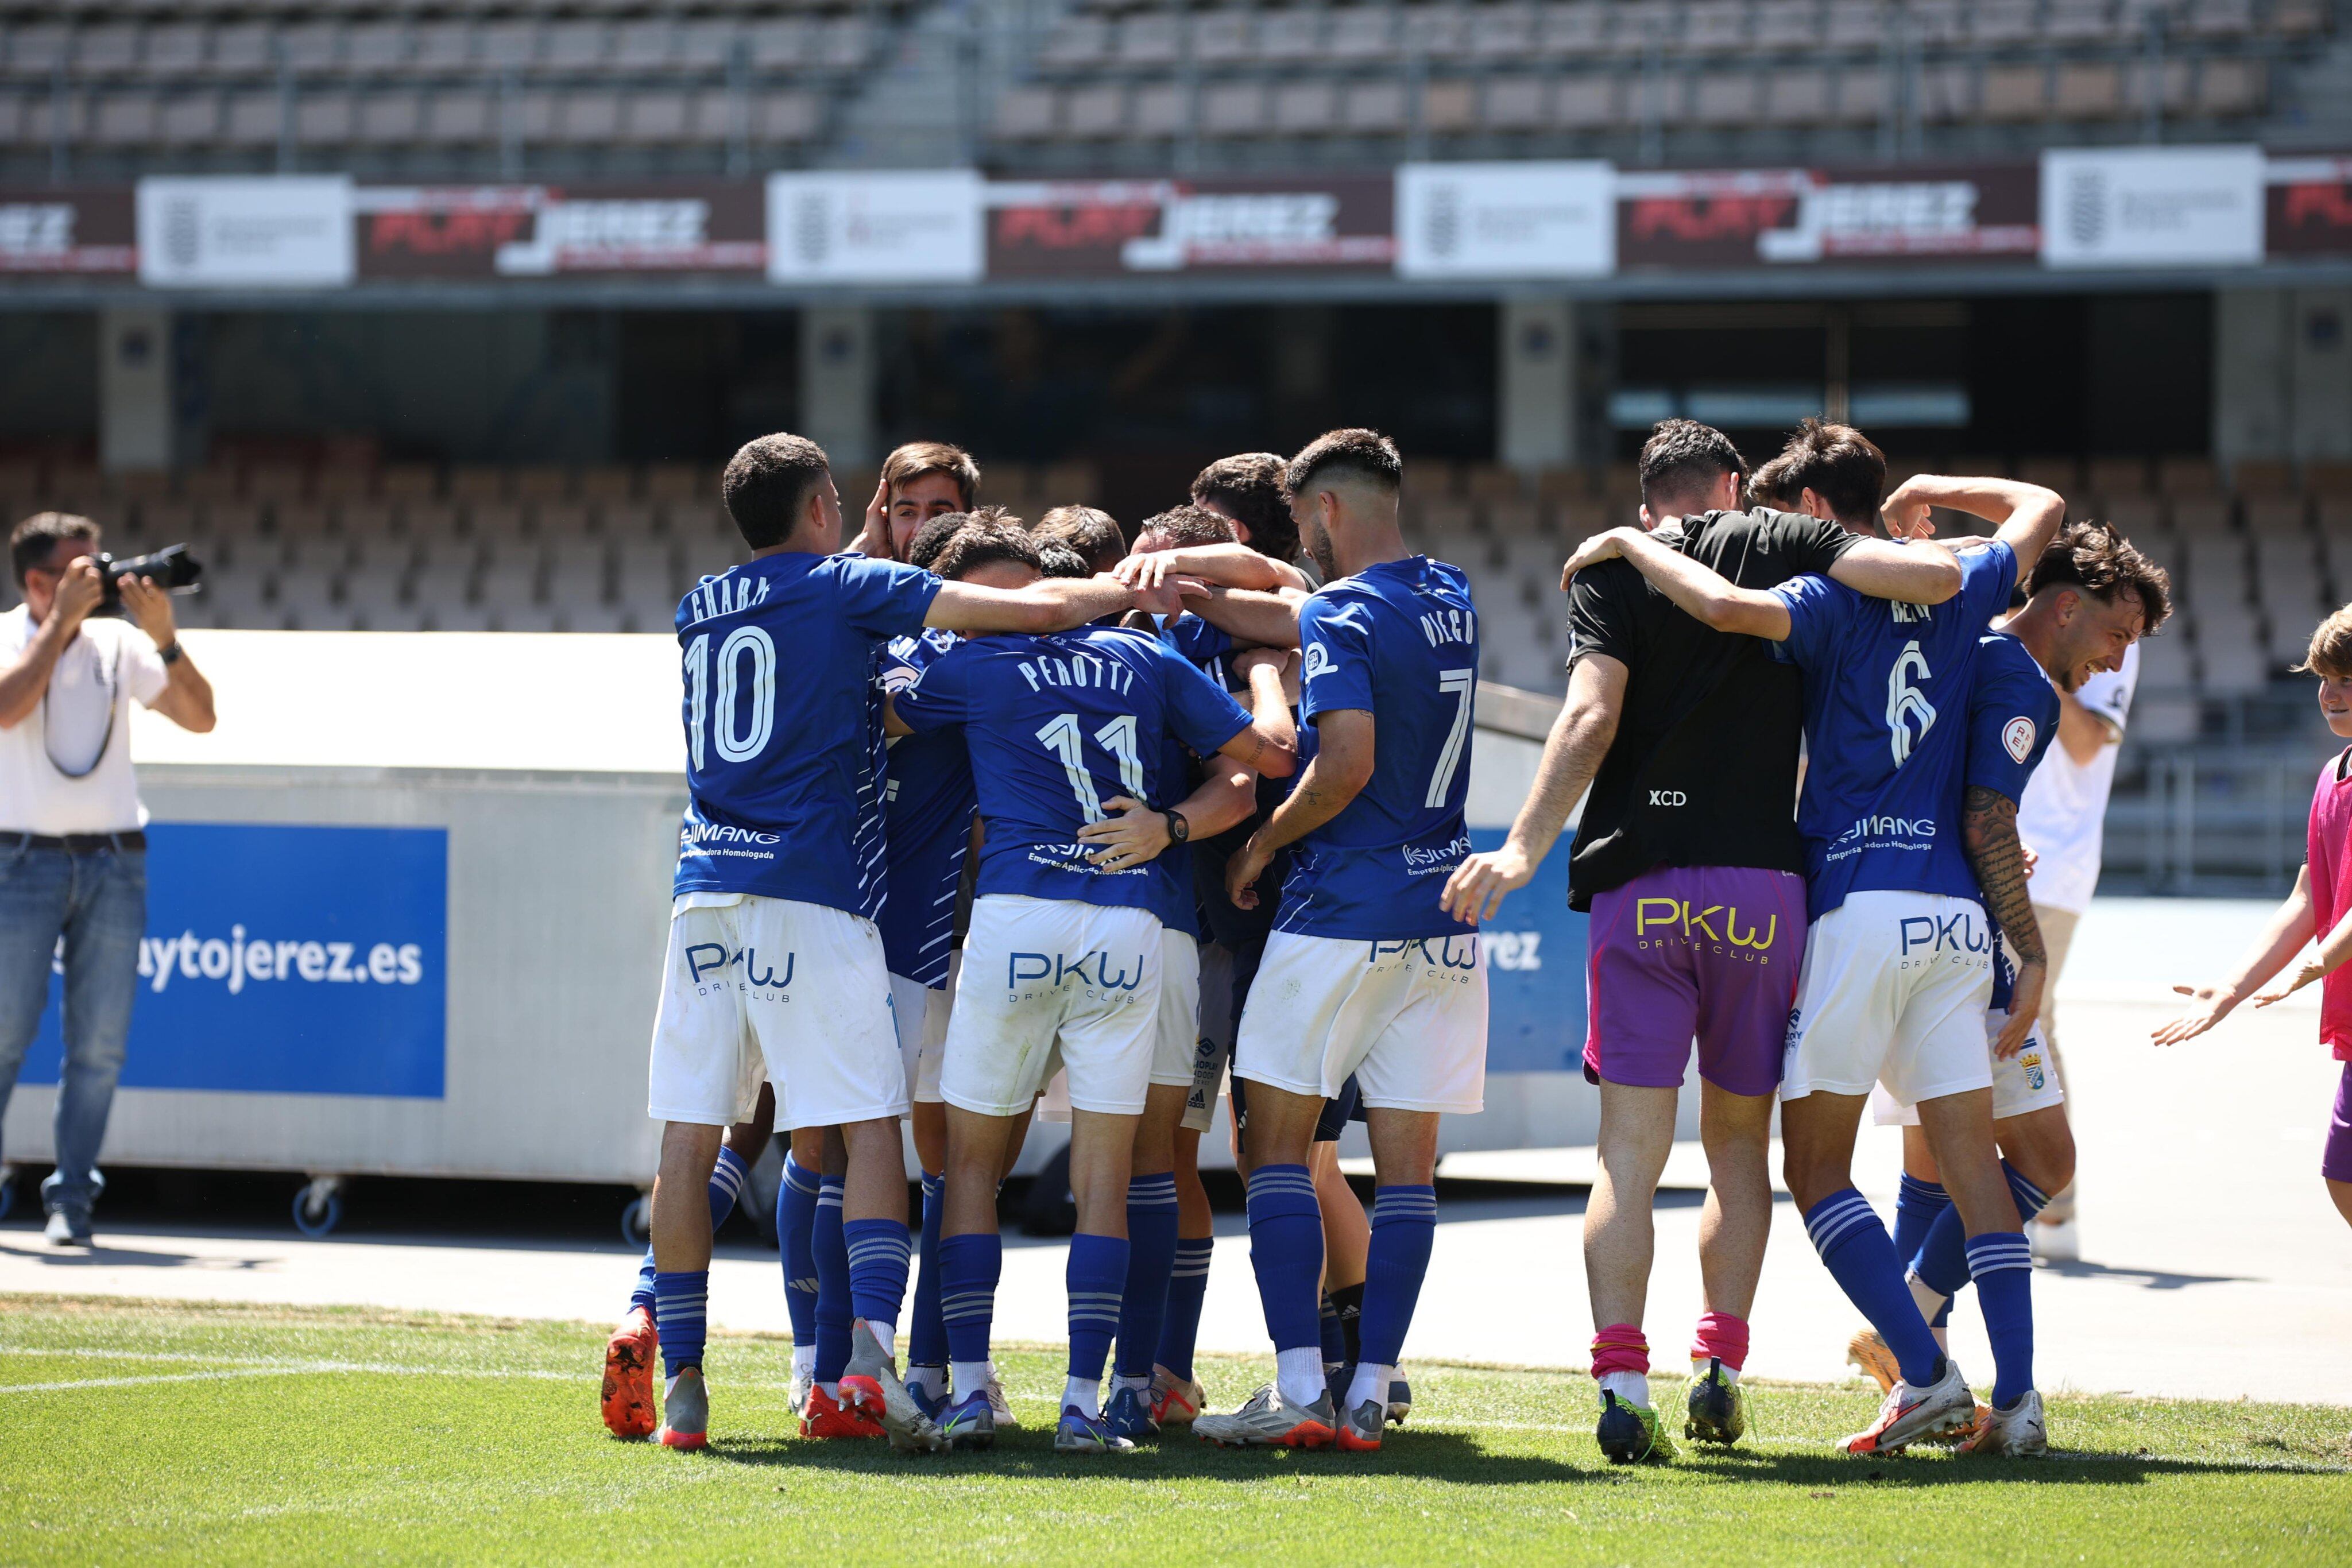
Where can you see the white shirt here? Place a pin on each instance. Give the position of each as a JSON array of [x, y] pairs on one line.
[[2063, 818], [87, 706]]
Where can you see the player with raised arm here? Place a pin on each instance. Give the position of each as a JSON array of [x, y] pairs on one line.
[[1897, 966], [774, 969], [1064, 957], [1692, 871], [1365, 974], [2320, 908]]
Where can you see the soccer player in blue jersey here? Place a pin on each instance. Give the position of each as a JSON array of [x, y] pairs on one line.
[[1897, 967], [2090, 597], [774, 967], [1063, 956], [1365, 973]]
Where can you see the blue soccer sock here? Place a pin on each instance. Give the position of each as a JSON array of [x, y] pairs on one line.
[[927, 1332], [1151, 1260], [1097, 1276], [2003, 1262], [1916, 1205], [1404, 1225], [1943, 1261], [1187, 1287], [726, 1183], [796, 1241], [834, 1313], [680, 1301], [1286, 1253], [1855, 1250], [969, 1269], [877, 1252]]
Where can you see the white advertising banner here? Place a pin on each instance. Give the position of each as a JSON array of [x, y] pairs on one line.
[[1505, 220], [264, 232], [2152, 206], [894, 226]]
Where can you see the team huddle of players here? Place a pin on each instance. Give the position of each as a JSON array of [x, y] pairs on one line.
[[982, 811]]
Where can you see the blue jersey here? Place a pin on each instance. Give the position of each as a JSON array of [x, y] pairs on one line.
[[1886, 706], [2012, 716], [927, 803], [1398, 640], [1057, 725], [781, 727]]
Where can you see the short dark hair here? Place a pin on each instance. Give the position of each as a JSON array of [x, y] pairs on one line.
[[1249, 487], [1059, 560], [1838, 464], [918, 458], [1090, 530], [1355, 454], [767, 483], [1768, 485], [2097, 560], [933, 536], [34, 540], [1184, 526], [978, 544], [1681, 460]]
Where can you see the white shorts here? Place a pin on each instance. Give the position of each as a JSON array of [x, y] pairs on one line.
[[1892, 990], [1215, 1046], [1178, 1035], [1049, 981], [921, 1012], [1408, 1018], [797, 994], [2027, 1082]]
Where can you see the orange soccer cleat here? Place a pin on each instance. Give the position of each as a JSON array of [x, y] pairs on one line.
[[628, 1395], [827, 1416]]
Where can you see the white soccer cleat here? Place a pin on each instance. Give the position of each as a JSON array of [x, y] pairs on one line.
[[871, 1386], [2059, 1242], [1917, 1416], [2018, 1432], [999, 1406]]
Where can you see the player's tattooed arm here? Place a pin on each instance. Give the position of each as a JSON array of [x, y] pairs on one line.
[[1341, 766], [1267, 619], [1581, 736], [1696, 590], [1988, 833], [1134, 833], [1270, 744], [2026, 516], [1230, 566]]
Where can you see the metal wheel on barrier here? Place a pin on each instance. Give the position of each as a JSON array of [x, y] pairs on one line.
[[319, 1206], [638, 1220]]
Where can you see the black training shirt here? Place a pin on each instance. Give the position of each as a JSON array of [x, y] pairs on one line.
[[1704, 767]]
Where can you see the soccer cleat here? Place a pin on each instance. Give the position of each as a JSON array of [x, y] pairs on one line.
[[870, 1384], [1917, 1416], [1630, 1434], [1718, 1408], [803, 1385], [1000, 1406], [1128, 1415], [929, 1404], [825, 1416], [1867, 1354], [2056, 1241], [1400, 1399], [2018, 1432], [1175, 1401], [1270, 1421], [1359, 1429], [1079, 1433], [968, 1425], [628, 1394], [685, 1410]]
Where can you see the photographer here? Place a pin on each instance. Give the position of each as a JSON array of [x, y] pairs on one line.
[[73, 857]]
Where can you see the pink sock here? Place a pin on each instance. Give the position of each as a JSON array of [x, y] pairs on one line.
[[1721, 1337], [1619, 1347]]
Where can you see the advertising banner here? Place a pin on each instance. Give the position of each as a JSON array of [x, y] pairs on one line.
[[1534, 950], [2152, 206], [2307, 205], [276, 232], [1253, 225], [875, 227], [1784, 217], [546, 231], [55, 229], [1505, 220], [286, 960]]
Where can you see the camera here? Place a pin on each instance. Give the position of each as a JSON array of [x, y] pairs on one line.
[[171, 569]]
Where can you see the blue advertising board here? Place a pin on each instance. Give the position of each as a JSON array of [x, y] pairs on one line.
[[287, 960], [1535, 971]]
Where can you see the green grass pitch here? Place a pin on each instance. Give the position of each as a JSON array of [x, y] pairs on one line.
[[137, 1431]]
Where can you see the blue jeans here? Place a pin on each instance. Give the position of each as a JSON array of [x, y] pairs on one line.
[[98, 903]]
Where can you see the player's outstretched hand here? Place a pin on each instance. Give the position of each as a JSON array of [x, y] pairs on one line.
[[1906, 516], [1242, 871], [1600, 547], [1134, 834], [1478, 885], [2312, 969], [1161, 598], [2213, 1005], [2024, 1007], [1147, 570]]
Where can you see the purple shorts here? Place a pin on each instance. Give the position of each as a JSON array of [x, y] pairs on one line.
[[2336, 1159], [1684, 953]]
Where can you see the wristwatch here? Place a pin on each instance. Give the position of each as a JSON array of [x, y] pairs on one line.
[[1179, 829], [172, 654]]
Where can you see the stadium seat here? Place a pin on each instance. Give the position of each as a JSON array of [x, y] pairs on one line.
[[1095, 111], [2088, 90], [1586, 102], [1288, 36], [1572, 32]]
